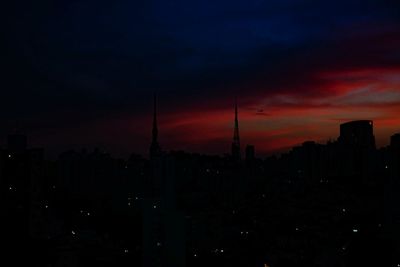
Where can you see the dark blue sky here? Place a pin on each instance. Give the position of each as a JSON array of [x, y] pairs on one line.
[[71, 64]]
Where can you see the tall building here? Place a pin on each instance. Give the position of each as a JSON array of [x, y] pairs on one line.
[[236, 140], [155, 148], [356, 155], [357, 134], [164, 240]]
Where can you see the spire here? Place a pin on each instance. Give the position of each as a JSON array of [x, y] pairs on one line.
[[154, 147], [155, 129], [236, 139]]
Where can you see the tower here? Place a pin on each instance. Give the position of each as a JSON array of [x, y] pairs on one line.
[[236, 140], [155, 148]]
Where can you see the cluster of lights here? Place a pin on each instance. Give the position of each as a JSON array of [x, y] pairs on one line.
[[216, 251], [86, 213], [130, 200], [244, 232]]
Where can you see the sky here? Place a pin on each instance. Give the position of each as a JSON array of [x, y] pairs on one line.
[[82, 73]]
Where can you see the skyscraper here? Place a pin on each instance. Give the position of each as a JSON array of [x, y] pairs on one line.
[[236, 140], [155, 148], [357, 134]]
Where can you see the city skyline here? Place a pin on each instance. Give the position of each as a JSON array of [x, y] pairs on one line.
[[229, 133], [155, 149]]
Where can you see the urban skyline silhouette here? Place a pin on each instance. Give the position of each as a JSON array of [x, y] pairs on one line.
[[200, 133]]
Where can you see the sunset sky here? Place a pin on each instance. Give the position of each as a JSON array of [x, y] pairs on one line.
[[81, 73]]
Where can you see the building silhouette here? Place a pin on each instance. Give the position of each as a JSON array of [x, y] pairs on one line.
[[155, 148], [235, 152], [357, 134], [187, 209], [356, 151]]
